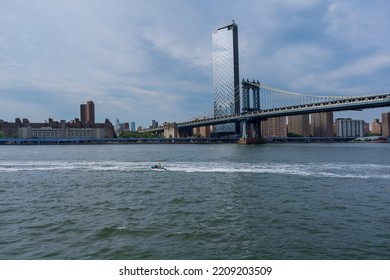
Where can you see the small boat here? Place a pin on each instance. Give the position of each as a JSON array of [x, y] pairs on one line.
[[158, 167]]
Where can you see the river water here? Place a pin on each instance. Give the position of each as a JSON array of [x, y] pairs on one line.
[[215, 201]]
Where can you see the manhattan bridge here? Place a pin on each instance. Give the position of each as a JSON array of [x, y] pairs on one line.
[[260, 102]]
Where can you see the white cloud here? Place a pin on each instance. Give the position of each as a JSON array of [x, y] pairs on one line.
[[366, 66], [152, 59]]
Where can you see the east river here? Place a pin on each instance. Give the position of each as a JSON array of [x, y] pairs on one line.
[[215, 201]]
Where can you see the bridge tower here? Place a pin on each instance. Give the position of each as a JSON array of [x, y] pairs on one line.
[[170, 130], [251, 128], [246, 89]]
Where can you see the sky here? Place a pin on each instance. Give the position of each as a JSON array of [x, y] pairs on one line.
[[152, 60]]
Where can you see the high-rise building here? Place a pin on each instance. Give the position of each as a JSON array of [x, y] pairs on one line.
[[366, 128], [299, 125], [154, 124], [226, 82], [386, 124], [322, 124], [274, 127], [349, 128], [376, 127], [87, 112]]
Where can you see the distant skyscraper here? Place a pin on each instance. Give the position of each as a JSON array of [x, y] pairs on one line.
[[87, 112], [154, 124], [226, 82]]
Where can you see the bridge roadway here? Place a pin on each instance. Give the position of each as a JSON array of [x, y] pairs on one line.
[[352, 103]]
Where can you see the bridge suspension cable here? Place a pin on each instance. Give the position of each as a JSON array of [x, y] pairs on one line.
[[271, 97]]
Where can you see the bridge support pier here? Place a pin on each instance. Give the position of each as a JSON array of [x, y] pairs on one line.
[[170, 130], [251, 132]]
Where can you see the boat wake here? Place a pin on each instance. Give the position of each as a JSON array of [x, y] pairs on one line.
[[337, 170]]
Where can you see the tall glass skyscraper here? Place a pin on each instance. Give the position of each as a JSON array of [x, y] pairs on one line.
[[226, 82]]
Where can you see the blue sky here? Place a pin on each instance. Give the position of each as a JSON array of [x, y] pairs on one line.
[[142, 60]]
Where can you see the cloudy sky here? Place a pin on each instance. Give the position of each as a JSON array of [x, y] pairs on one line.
[[141, 60]]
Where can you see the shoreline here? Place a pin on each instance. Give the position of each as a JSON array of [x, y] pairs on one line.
[[116, 141]]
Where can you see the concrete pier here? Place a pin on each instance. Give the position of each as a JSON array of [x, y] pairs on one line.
[[251, 132], [246, 141]]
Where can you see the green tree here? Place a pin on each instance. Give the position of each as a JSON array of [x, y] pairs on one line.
[[136, 134]]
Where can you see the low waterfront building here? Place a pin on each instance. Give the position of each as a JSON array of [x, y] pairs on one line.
[[85, 127], [63, 132], [8, 129], [54, 129]]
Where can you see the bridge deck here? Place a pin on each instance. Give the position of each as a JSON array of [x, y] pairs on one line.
[[344, 104]]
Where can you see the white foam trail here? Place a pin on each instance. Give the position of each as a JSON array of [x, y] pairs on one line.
[[339, 170], [336, 170], [59, 165]]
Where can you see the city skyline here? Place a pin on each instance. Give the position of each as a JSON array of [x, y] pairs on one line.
[[317, 124], [140, 64]]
